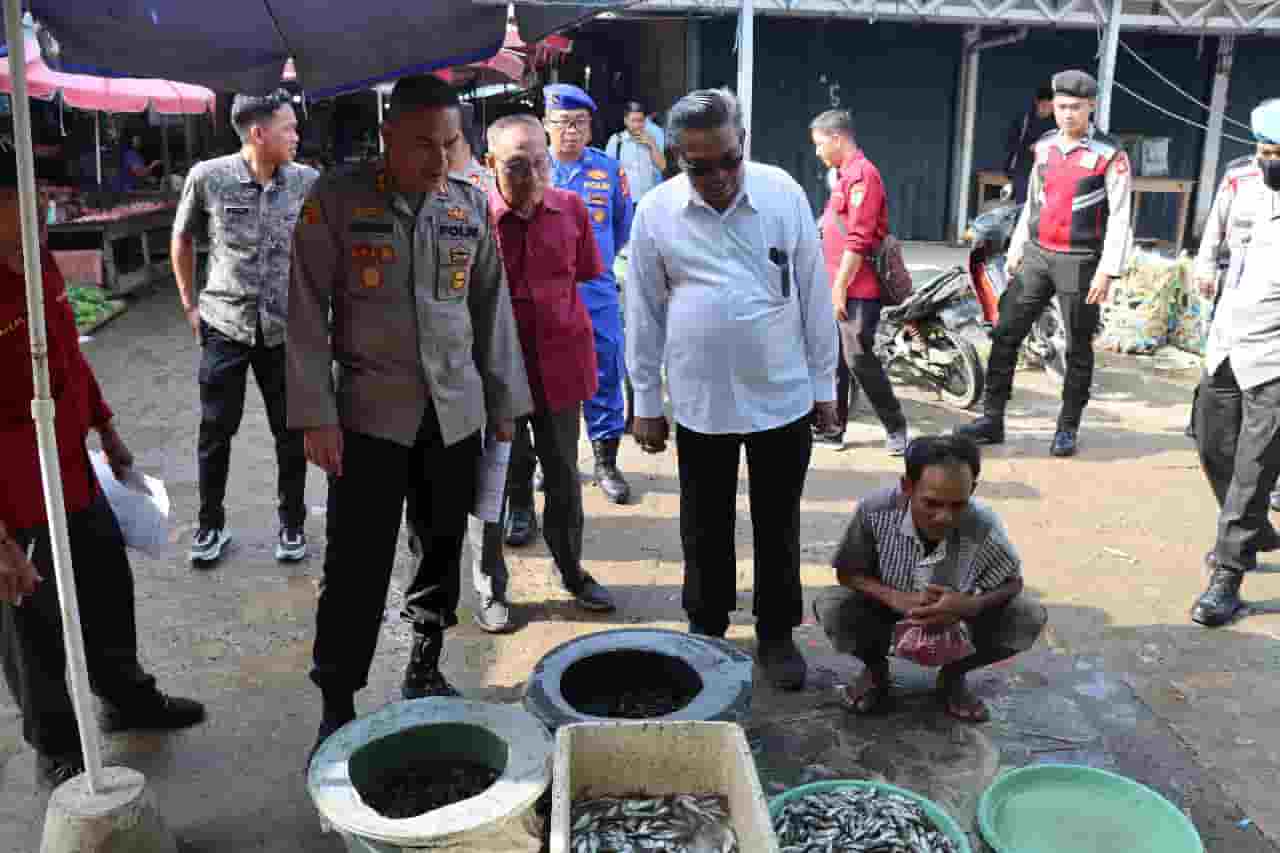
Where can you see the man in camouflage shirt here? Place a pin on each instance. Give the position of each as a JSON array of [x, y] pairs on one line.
[[246, 206]]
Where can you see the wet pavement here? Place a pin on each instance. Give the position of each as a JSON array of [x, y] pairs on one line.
[[1111, 541]]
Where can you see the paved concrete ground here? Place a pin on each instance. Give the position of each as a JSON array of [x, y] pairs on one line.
[[1112, 542]]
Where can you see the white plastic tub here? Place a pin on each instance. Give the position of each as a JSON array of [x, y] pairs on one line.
[[656, 759]]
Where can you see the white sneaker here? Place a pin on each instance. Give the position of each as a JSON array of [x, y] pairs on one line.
[[292, 546], [208, 544], [897, 443]]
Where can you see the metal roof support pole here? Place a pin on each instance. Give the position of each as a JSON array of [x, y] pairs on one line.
[[1107, 67], [1213, 136], [966, 117], [746, 66], [377, 93], [692, 54]]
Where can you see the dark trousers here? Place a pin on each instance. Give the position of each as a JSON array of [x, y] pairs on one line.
[[859, 367], [224, 369], [554, 443], [777, 462], [34, 655], [1238, 436], [859, 625], [363, 526], [1044, 274]]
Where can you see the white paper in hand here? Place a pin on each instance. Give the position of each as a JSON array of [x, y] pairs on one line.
[[491, 484], [141, 505]]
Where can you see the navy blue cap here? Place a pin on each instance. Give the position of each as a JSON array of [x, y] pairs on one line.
[[1266, 122], [562, 96]]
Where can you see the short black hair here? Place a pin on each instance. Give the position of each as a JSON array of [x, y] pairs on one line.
[[835, 122], [247, 111], [1045, 92], [633, 107], [424, 92], [942, 450]]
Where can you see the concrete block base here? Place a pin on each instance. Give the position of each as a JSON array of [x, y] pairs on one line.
[[121, 818]]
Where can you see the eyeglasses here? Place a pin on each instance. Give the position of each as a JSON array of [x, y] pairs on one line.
[[702, 168], [519, 167], [579, 123]]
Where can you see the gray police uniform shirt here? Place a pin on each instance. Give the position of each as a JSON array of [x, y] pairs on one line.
[[250, 231], [420, 310]]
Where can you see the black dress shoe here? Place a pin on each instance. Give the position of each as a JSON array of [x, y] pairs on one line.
[[161, 712], [422, 677], [987, 429], [1064, 443], [53, 770], [1220, 602], [782, 662], [521, 524], [591, 595], [329, 724]]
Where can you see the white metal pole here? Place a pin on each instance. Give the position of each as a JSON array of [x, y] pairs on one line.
[[966, 119], [1107, 67], [97, 143], [42, 407], [746, 67], [377, 93], [1213, 136]]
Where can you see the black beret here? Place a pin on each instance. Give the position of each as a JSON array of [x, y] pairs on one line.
[[1076, 84]]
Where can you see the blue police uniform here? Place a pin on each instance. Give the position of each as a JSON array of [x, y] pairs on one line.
[[599, 180]]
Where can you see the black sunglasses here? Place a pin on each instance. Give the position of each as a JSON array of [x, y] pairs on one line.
[[700, 169]]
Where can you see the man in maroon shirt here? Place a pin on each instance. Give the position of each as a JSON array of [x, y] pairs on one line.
[[549, 249], [30, 618], [854, 224]]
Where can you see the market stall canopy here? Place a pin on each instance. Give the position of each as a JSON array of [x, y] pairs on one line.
[[336, 47], [106, 94]]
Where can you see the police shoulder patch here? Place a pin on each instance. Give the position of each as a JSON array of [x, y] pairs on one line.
[[1121, 163]]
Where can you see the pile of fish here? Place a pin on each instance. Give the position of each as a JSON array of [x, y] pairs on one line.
[[679, 823], [857, 820]]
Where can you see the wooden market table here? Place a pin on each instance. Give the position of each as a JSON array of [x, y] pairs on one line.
[[109, 231], [988, 180]]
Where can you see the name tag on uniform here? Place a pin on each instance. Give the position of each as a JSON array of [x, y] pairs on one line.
[[457, 231], [597, 198], [1089, 160], [597, 185], [598, 175], [367, 212], [235, 210], [372, 228]]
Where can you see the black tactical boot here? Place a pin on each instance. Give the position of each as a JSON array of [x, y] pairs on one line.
[[988, 429], [611, 481], [422, 677], [1064, 442], [1220, 602]]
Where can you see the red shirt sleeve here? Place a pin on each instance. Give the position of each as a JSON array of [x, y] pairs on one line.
[[590, 264], [864, 196]]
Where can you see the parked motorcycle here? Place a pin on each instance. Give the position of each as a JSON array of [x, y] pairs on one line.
[[927, 337], [990, 234]]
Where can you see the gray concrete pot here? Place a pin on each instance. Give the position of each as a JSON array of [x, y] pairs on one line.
[[499, 820]]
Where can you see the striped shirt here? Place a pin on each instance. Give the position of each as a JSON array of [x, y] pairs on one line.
[[975, 557]]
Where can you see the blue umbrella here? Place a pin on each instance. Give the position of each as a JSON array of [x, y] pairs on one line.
[[230, 45]]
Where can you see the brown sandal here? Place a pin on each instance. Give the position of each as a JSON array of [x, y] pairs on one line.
[[865, 696]]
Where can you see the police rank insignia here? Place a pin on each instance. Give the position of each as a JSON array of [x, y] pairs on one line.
[[371, 278], [597, 198], [598, 175], [459, 279], [458, 214], [459, 256], [598, 216]]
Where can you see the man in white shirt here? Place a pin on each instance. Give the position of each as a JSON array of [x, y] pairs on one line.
[[639, 147], [1238, 405], [728, 287]]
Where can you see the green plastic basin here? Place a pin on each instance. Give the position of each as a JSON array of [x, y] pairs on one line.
[[1056, 808], [945, 823]]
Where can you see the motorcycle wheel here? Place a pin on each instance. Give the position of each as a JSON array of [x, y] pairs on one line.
[[965, 378], [1051, 342]]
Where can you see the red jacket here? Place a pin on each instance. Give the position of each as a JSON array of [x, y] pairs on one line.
[[76, 395], [858, 204], [546, 257]]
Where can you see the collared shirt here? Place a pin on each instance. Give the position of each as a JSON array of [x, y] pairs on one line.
[[856, 220], [250, 232], [1062, 210], [410, 303], [642, 173], [1243, 198], [882, 541], [745, 351], [546, 257], [1246, 325], [477, 175], [76, 395], [599, 181]]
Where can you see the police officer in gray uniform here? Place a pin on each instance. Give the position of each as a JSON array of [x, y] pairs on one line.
[[426, 354], [246, 205]]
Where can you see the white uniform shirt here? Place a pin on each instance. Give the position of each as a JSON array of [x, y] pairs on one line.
[[1246, 326], [743, 354], [1243, 199]]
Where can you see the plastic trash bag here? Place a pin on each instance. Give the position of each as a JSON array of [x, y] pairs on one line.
[[929, 645], [1135, 318], [141, 506]]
